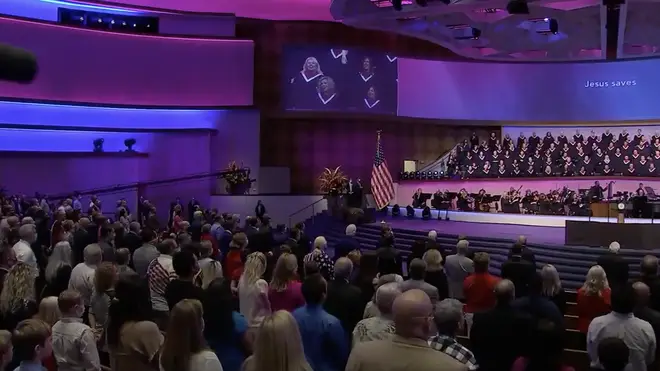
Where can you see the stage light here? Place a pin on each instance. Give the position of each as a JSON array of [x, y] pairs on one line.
[[476, 33], [396, 210], [402, 175], [436, 175], [397, 5], [517, 7], [423, 174], [426, 213], [418, 176], [554, 26], [98, 145], [410, 211], [129, 143]]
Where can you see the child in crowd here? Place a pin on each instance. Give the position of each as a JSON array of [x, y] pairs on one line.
[[74, 343], [32, 344]]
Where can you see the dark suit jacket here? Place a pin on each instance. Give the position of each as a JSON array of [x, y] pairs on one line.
[[526, 255], [345, 246], [616, 268], [651, 316], [389, 260], [520, 272], [300, 253], [132, 241], [499, 336], [80, 241], [653, 282], [345, 302]]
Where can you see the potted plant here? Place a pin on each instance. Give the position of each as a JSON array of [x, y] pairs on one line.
[[332, 184], [238, 180]]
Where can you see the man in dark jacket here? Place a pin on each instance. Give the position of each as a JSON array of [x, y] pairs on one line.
[[518, 270], [616, 268], [642, 309], [525, 253], [649, 275], [500, 335]]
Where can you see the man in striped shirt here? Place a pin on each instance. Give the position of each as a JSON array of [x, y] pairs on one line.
[[159, 274]]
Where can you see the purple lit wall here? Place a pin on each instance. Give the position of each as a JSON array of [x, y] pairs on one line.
[[38, 114], [82, 65], [23, 140], [169, 23], [613, 91]]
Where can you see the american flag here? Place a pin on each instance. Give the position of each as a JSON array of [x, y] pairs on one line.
[[382, 186]]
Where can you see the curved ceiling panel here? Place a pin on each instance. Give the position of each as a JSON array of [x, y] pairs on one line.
[[89, 66]]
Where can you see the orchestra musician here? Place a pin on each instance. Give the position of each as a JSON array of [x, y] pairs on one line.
[[596, 192], [482, 201], [465, 202], [417, 198]]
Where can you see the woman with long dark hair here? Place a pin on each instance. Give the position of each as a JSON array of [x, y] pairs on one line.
[[225, 329], [133, 339], [546, 348]]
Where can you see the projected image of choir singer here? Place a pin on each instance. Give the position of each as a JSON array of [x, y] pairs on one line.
[[303, 86], [371, 100], [367, 70], [326, 94]]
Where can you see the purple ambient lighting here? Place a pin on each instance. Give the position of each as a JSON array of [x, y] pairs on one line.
[[75, 5], [115, 68], [38, 114], [614, 91], [68, 141]]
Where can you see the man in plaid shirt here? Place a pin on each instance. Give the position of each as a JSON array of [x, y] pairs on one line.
[[449, 320]]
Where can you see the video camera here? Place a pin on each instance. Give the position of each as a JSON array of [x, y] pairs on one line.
[[17, 65]]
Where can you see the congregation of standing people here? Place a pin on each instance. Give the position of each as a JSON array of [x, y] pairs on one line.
[[208, 294]]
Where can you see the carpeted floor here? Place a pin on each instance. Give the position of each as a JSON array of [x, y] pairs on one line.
[[550, 235]]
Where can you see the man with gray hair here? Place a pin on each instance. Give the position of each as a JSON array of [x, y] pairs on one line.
[[82, 275], [23, 248], [343, 300], [520, 248], [457, 267], [382, 326], [417, 273], [615, 266], [448, 317], [348, 243]]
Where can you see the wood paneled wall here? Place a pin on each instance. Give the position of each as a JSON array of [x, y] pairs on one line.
[[308, 142]]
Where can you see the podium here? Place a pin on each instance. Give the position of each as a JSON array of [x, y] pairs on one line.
[[600, 209]]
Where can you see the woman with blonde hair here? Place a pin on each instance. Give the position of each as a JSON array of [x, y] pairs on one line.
[[285, 292], [105, 279], [321, 259], [184, 348], [278, 346], [551, 287], [593, 298], [208, 273], [58, 270], [435, 274], [49, 312], [17, 299], [253, 290]]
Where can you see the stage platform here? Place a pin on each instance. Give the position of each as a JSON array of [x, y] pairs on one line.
[[552, 221], [542, 235]]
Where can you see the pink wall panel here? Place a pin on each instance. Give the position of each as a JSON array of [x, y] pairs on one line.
[[89, 66], [405, 190]]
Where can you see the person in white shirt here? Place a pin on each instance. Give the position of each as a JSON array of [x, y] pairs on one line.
[[22, 249], [621, 323], [74, 343], [82, 275]]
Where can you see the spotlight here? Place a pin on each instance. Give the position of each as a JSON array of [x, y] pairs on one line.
[[554, 26], [426, 213], [418, 175], [396, 210], [129, 143], [517, 7], [423, 174], [410, 211], [403, 175], [397, 5], [476, 33], [436, 175], [98, 145]]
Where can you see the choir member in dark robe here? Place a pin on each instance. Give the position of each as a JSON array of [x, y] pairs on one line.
[[578, 138], [371, 101], [303, 86], [326, 95], [652, 171], [607, 170], [631, 169], [607, 137]]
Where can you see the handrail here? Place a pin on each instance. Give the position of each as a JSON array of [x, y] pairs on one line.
[[439, 161], [303, 209], [127, 186]]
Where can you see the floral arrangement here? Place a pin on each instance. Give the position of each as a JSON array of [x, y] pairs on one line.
[[332, 181], [237, 178]]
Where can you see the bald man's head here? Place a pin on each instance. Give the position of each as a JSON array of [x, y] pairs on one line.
[[413, 314], [505, 291], [642, 293], [649, 266]]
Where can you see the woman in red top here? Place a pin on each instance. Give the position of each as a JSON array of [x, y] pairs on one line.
[[593, 298], [234, 260], [478, 288], [206, 236]]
